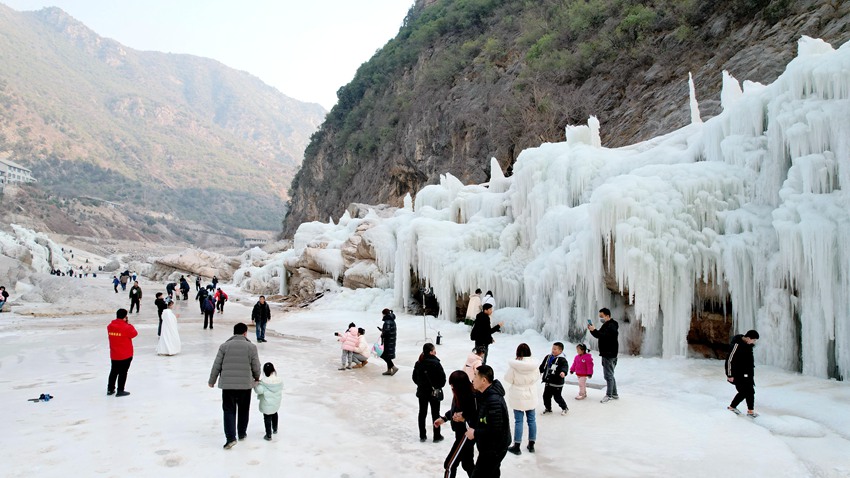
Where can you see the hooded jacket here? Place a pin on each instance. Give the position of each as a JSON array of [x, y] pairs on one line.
[[349, 339], [270, 393], [492, 428], [522, 376], [428, 374], [609, 344], [388, 336], [551, 368], [583, 365], [740, 363], [237, 363]]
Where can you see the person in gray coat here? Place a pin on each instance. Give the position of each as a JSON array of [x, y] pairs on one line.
[[237, 370]]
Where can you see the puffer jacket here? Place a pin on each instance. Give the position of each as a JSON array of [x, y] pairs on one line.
[[492, 428], [270, 393], [473, 361], [349, 339], [363, 346], [428, 374], [583, 365], [388, 336], [237, 365], [522, 375]]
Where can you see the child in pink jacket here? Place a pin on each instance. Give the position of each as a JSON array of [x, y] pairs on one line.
[[350, 339], [583, 368]]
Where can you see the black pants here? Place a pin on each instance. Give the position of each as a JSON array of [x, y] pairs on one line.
[[271, 423], [423, 413], [461, 454], [185, 294], [118, 371], [746, 391], [159, 329], [233, 403], [220, 305], [389, 363], [489, 463], [208, 316], [549, 392], [136, 303]]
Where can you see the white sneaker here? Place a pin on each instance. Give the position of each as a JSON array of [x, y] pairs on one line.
[[564, 411], [605, 399]]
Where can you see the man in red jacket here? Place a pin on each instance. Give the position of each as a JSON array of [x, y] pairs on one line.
[[121, 335]]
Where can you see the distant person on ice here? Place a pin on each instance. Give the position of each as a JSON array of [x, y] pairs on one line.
[[169, 341], [361, 353], [201, 296], [482, 333], [474, 306], [198, 283], [135, 296], [184, 288], [260, 316], [121, 335], [169, 289], [237, 369], [220, 299], [388, 339], [270, 392], [160, 306], [491, 431], [348, 342], [609, 346], [115, 283], [125, 277], [4, 297], [740, 369], [208, 306], [215, 282]]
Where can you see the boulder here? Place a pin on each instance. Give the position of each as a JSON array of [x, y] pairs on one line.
[[195, 262]]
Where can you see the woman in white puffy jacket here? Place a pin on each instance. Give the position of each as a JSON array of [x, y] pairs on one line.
[[523, 375]]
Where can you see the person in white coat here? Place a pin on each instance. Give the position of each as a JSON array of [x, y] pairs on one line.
[[474, 306], [523, 375], [488, 299], [361, 352], [169, 339], [270, 392]]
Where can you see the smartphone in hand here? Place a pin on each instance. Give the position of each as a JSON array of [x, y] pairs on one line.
[[589, 322]]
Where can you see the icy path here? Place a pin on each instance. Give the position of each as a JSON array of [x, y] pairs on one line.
[[671, 419]]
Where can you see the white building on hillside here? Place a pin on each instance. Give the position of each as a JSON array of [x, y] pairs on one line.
[[12, 172]]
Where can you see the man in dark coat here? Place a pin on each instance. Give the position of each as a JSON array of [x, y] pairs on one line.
[[388, 338], [237, 370], [740, 367], [609, 347], [135, 296], [160, 306], [482, 333], [201, 297], [491, 432], [260, 316]]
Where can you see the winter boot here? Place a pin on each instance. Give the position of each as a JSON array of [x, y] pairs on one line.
[[515, 449], [531, 447]]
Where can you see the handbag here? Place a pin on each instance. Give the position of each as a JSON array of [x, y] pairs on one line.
[[436, 393], [377, 349]]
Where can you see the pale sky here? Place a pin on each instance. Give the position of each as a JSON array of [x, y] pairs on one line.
[[307, 49]]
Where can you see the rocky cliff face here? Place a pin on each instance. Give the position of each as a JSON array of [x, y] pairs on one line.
[[467, 81]]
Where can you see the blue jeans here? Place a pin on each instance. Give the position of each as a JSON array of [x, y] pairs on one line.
[[608, 365], [531, 416], [261, 329]]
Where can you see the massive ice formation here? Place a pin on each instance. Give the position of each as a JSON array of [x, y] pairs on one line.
[[752, 203]]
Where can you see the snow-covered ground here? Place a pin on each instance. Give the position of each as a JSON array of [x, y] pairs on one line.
[[670, 419]]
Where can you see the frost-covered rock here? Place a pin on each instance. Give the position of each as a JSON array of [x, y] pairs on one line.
[[194, 262]]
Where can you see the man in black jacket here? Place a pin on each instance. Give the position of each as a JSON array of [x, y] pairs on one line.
[[609, 347], [160, 306], [482, 333], [135, 296], [491, 431], [740, 367], [260, 316]]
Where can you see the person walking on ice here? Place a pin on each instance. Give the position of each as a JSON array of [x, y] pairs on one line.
[[135, 296], [270, 392], [388, 339], [554, 368], [169, 340], [121, 335], [522, 376], [740, 367], [583, 368]]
